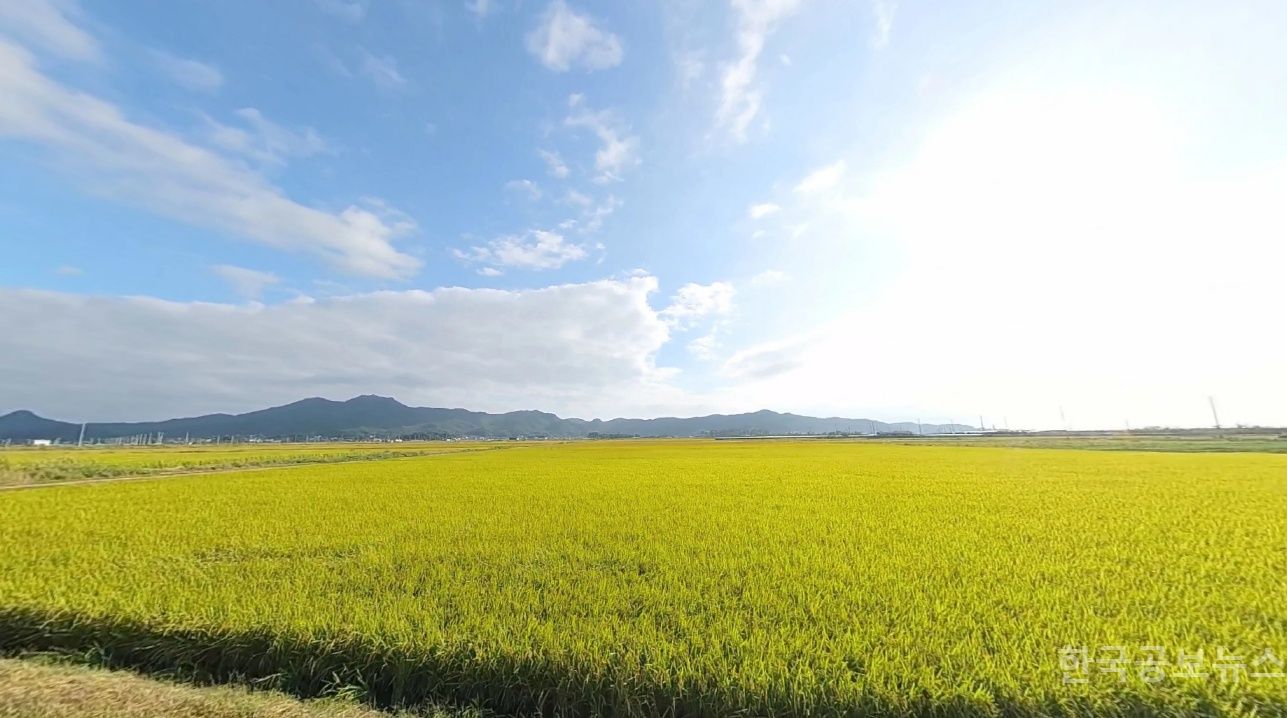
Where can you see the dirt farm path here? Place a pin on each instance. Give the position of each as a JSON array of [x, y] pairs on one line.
[[179, 473]]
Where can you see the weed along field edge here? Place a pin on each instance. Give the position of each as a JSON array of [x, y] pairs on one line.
[[23, 467], [647, 578]]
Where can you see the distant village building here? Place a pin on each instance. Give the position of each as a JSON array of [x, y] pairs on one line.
[[42, 442]]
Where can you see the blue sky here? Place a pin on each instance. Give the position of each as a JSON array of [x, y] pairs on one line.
[[887, 209]]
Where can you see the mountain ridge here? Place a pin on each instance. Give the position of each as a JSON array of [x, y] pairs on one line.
[[370, 415]]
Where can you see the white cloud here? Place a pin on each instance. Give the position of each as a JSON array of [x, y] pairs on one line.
[[524, 186], [760, 211], [741, 96], [822, 179], [565, 38], [164, 173], [68, 270], [247, 283], [349, 10], [694, 302], [383, 71], [480, 8], [769, 278], [535, 249], [571, 348], [618, 149], [187, 73], [45, 23], [490, 272], [554, 163], [264, 140]]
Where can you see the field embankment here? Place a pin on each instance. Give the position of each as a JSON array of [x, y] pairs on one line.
[[678, 578], [1189, 443], [43, 689], [33, 467]]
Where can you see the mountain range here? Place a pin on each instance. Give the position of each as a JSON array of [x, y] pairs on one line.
[[378, 416]]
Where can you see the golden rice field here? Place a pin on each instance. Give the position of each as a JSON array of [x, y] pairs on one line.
[[683, 578]]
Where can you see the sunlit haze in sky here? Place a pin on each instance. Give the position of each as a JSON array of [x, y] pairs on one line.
[[1043, 213]]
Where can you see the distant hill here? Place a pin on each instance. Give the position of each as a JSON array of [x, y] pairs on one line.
[[381, 416]]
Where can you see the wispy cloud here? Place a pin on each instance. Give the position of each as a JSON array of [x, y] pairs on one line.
[[247, 283], [578, 198], [883, 12], [46, 25], [524, 186], [741, 96], [593, 214], [68, 270], [689, 68], [769, 359], [769, 278], [190, 74], [383, 71], [565, 38], [705, 347], [535, 249], [348, 10], [618, 149], [158, 170], [480, 8], [554, 163], [264, 140], [762, 210], [822, 179], [696, 301]]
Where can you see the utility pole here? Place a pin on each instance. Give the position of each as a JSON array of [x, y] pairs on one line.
[[1214, 415]]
